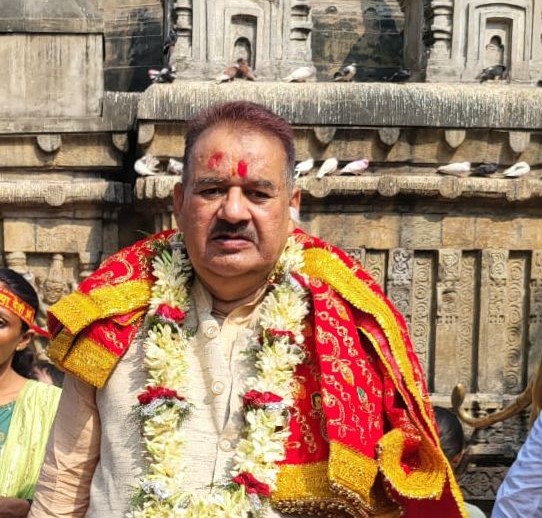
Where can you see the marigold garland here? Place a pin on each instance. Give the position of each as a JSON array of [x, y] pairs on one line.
[[277, 350]]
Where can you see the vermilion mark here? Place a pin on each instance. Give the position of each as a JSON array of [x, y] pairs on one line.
[[242, 168], [214, 160]]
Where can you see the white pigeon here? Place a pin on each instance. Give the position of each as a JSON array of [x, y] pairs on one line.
[[328, 167], [174, 167], [302, 168], [455, 168], [517, 170], [302, 74], [355, 167], [147, 165]]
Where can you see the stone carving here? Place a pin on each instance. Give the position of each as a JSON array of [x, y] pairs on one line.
[[515, 329], [493, 304], [469, 35], [51, 287], [447, 329], [482, 482], [467, 288], [535, 313], [274, 37], [399, 283], [420, 326], [375, 264]]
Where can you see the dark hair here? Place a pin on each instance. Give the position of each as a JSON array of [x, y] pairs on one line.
[[451, 436], [246, 114], [19, 286], [57, 376]]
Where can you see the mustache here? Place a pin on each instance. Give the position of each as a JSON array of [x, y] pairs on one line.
[[233, 230]]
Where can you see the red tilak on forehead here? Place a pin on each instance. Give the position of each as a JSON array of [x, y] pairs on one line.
[[215, 159], [242, 168]]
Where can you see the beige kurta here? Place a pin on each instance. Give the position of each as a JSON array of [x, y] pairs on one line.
[[95, 458]]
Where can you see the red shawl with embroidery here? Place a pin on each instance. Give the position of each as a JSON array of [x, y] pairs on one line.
[[363, 439]]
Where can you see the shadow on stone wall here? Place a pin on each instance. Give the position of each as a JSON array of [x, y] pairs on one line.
[[133, 43], [371, 36]]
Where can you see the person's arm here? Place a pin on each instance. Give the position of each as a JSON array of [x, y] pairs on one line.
[[72, 454], [520, 494], [13, 507]]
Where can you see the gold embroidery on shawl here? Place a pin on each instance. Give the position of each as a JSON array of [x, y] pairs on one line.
[[426, 481], [91, 361], [77, 310]]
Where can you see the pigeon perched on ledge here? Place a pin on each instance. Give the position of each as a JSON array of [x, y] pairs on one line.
[[455, 168], [164, 75], [302, 168], [328, 167], [174, 167], [301, 75], [229, 74], [517, 170], [355, 167], [346, 74], [493, 72], [484, 170], [401, 76], [147, 165], [245, 71]]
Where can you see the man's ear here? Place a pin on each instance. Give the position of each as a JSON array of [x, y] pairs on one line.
[[294, 204], [178, 200]]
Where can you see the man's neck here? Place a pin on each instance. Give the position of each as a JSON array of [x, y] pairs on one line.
[[225, 307]]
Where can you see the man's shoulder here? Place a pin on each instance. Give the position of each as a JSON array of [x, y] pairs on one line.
[[131, 263]]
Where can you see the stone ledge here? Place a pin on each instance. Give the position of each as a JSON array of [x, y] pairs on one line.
[[59, 194], [358, 104], [160, 187], [119, 111]]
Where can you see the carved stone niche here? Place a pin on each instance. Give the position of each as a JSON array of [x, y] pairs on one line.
[[467, 36], [274, 37]]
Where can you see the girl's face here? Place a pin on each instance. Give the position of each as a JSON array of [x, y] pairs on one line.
[[12, 337]]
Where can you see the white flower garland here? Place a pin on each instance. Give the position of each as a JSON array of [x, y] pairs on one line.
[[277, 351]]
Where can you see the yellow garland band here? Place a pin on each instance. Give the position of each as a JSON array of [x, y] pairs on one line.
[[325, 265], [77, 310]]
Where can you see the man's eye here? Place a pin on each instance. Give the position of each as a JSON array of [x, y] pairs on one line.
[[214, 191], [258, 195]]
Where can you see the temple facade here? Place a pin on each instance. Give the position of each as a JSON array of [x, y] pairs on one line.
[[461, 257]]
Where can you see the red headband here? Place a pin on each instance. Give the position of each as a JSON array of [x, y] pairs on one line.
[[20, 308]]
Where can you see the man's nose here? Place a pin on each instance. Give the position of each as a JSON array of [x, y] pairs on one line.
[[234, 206]]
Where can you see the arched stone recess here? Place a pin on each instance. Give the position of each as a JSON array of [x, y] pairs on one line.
[[470, 35]]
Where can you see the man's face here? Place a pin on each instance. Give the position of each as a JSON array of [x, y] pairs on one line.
[[234, 208]]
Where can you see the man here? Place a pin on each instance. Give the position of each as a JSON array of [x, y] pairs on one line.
[[236, 371], [520, 493]]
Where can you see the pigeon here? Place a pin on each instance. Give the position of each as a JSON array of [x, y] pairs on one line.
[[245, 71], [302, 168], [346, 74], [493, 72], [174, 167], [355, 167], [399, 77], [169, 43], [229, 74], [164, 75], [455, 168], [484, 170], [300, 75], [328, 167], [147, 165], [517, 170]]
